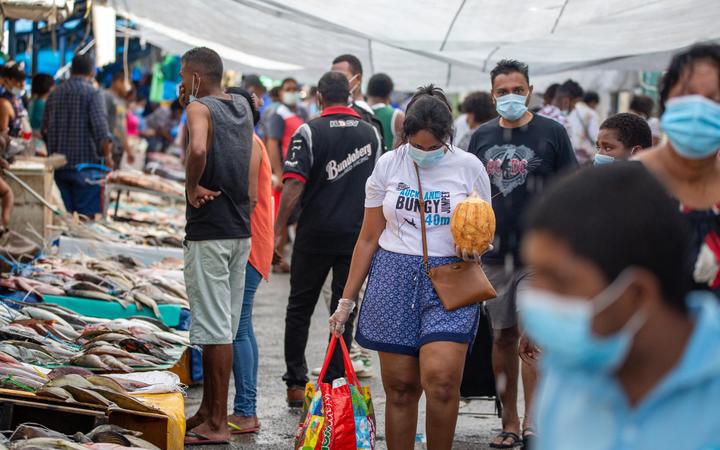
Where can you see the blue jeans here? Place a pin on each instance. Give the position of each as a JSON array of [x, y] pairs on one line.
[[80, 191], [245, 351]]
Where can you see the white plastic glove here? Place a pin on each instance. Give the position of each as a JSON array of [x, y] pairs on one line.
[[471, 257], [340, 316]]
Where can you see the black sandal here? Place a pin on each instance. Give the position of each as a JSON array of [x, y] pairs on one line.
[[516, 441], [528, 438]]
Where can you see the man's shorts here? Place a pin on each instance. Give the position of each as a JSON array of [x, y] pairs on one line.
[[503, 309], [401, 311], [215, 283]]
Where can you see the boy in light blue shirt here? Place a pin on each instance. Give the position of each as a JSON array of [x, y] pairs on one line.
[[629, 359]]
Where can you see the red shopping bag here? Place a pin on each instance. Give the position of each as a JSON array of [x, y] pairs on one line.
[[338, 416]]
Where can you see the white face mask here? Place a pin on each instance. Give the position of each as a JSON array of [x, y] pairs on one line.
[[290, 98]]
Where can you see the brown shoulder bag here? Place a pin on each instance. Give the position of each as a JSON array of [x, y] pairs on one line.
[[457, 284]]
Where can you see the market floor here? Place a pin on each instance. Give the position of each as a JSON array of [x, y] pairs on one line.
[[279, 423]]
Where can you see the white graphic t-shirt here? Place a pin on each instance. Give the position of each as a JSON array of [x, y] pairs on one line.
[[394, 186]]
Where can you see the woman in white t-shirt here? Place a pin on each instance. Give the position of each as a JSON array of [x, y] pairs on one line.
[[422, 346]]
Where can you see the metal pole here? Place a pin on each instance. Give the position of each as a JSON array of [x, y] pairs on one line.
[[12, 39], [32, 192], [62, 47], [35, 48]]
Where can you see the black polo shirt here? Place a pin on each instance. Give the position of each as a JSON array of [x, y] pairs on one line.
[[333, 155]]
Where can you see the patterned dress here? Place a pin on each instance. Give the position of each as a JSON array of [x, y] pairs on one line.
[[705, 245]]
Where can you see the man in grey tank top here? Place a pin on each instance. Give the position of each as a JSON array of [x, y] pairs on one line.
[[220, 198]]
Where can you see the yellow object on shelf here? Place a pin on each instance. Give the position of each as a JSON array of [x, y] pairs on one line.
[[172, 404]]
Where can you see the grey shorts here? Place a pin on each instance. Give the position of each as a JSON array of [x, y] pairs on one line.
[[503, 309], [215, 283]]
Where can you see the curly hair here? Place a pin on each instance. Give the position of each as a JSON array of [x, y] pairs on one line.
[[631, 129]]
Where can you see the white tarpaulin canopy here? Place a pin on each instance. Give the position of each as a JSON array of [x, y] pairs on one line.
[[452, 43]]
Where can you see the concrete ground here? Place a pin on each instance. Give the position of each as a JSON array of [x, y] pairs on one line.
[[476, 424]]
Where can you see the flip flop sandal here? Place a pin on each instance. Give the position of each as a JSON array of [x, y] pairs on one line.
[[193, 438], [505, 435], [528, 438], [234, 429]]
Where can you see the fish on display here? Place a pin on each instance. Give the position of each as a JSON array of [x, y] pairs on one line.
[[93, 361], [84, 395], [33, 430], [47, 443], [125, 401], [115, 364], [56, 393], [107, 382], [97, 296]]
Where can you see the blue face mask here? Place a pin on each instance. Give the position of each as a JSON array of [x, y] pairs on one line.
[[511, 106], [562, 327], [692, 123], [424, 158], [599, 159]]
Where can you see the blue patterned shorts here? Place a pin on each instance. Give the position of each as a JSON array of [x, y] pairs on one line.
[[401, 311]]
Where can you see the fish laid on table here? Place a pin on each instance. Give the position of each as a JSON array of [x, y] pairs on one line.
[[107, 382], [56, 393], [47, 443], [125, 401], [69, 370], [87, 395], [92, 361], [45, 314], [146, 300], [107, 349], [150, 322], [97, 296], [70, 380], [115, 364], [7, 370], [27, 355], [33, 430]]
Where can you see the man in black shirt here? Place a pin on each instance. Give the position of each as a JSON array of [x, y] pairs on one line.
[[328, 163], [521, 152], [221, 188]]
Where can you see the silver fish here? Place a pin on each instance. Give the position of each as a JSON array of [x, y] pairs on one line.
[[93, 361]]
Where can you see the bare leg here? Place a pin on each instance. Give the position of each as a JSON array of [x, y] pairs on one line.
[[505, 365], [202, 412], [529, 378], [441, 370], [401, 381], [217, 364]]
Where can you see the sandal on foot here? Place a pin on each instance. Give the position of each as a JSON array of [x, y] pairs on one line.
[[193, 438], [234, 429], [505, 435]]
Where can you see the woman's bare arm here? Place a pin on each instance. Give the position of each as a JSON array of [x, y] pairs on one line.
[[366, 246]]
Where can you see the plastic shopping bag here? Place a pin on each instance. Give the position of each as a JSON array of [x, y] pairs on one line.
[[338, 416]]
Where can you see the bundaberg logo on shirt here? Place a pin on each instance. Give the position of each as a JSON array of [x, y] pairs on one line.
[[336, 170]]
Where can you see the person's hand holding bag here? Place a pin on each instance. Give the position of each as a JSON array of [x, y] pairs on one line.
[[341, 316]]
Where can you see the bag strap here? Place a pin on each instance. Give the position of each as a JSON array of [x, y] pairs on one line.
[[421, 200], [349, 370]]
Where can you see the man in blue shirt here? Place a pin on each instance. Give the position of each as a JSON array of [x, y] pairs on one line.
[[629, 359]]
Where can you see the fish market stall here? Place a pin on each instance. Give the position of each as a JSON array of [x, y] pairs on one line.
[[114, 318], [28, 211], [53, 359], [128, 181]]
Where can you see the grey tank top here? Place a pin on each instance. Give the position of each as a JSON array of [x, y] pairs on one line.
[[227, 171]]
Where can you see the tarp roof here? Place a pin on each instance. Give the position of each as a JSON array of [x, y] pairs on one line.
[[452, 43]]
